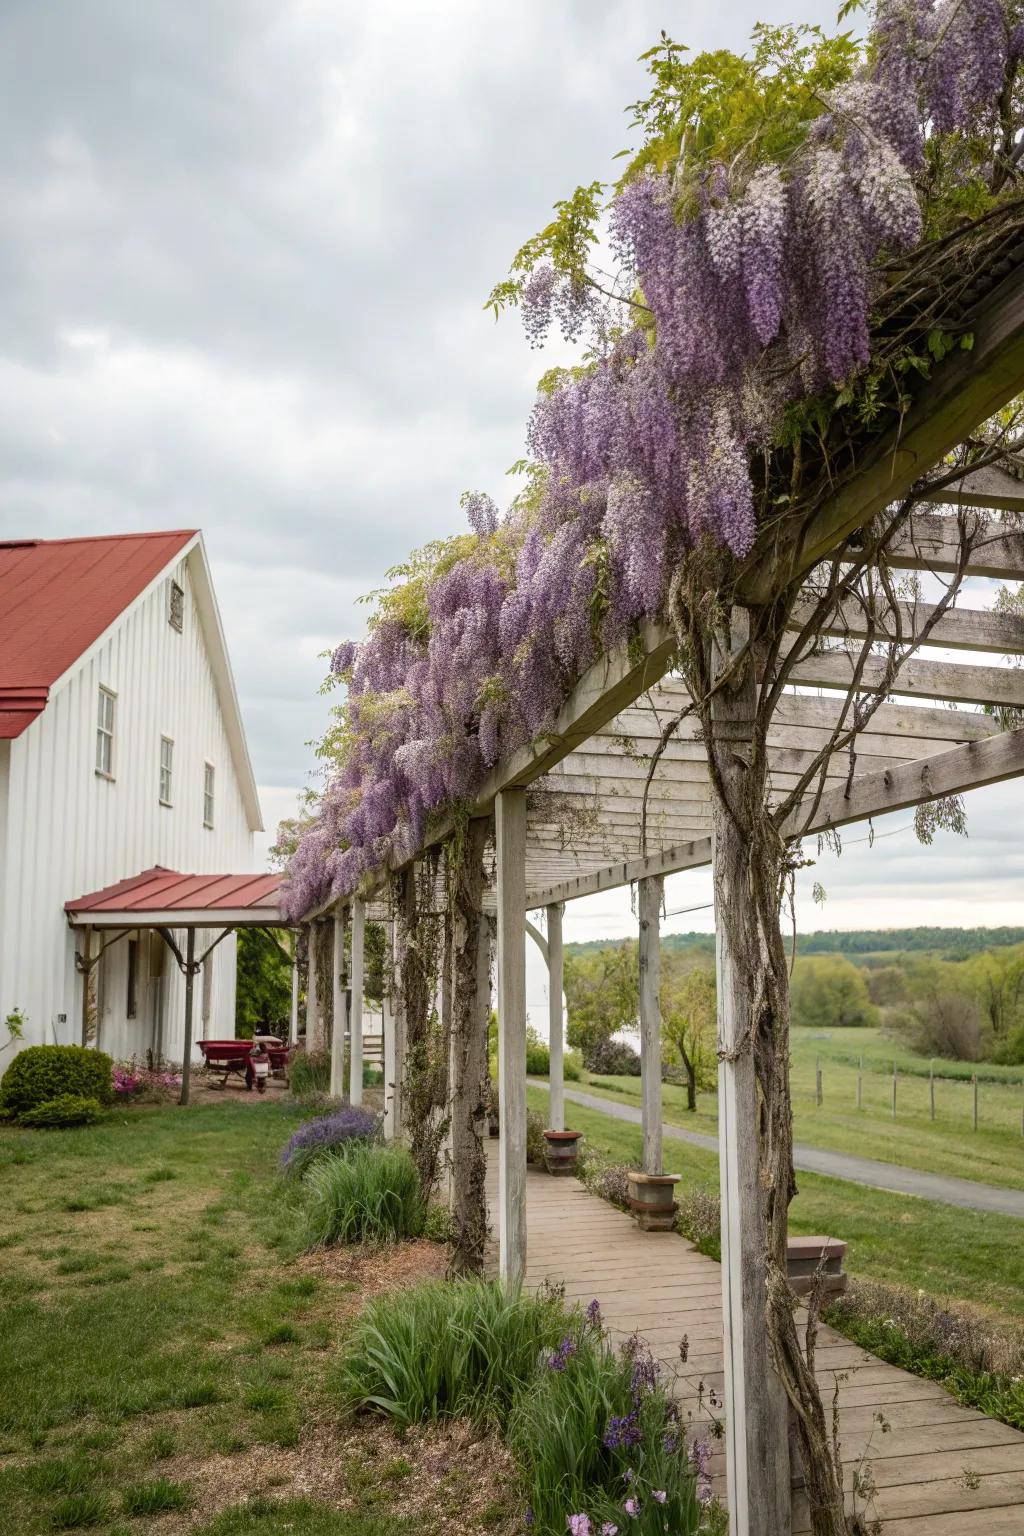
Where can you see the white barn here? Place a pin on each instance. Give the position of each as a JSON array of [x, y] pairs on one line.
[[121, 749]]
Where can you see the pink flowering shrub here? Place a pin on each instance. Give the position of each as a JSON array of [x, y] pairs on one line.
[[134, 1084]]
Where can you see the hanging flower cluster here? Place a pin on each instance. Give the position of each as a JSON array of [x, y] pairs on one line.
[[746, 287]]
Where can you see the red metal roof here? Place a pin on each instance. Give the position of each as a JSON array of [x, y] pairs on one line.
[[164, 890], [57, 596]]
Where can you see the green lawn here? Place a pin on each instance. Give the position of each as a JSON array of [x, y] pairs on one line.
[[994, 1154], [152, 1323], [940, 1249]]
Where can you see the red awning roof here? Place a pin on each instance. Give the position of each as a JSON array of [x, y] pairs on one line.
[[171, 898], [57, 596]]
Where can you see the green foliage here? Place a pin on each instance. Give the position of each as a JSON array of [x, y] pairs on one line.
[[66, 1110], [263, 998], [77, 1511], [612, 1058], [309, 1072], [450, 1350], [830, 993], [299, 1517], [369, 1194], [688, 1018], [46, 1072], [538, 1056], [154, 1498], [601, 990]]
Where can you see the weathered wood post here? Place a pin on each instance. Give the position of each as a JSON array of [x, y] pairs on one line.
[[293, 1017], [756, 1416], [471, 1009], [510, 834], [405, 918], [312, 1003], [650, 1021], [355, 1087], [190, 976], [556, 1048], [85, 965], [339, 1009], [387, 1022]]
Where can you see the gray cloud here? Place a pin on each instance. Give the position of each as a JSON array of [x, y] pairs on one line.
[[246, 246]]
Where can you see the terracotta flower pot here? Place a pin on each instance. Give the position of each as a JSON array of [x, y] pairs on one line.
[[651, 1199], [560, 1149]]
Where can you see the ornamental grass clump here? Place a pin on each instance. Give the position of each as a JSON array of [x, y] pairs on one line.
[[339, 1131], [368, 1194], [462, 1349]]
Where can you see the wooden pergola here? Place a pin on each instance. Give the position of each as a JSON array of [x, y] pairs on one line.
[[569, 819]]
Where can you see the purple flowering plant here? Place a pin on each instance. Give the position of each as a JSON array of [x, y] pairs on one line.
[[751, 233], [327, 1135]]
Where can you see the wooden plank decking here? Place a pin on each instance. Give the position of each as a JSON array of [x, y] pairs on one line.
[[939, 1469]]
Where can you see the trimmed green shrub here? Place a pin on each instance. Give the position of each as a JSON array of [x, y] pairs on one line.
[[612, 1058], [46, 1072], [458, 1349], [66, 1109], [538, 1056], [572, 1066], [368, 1193]]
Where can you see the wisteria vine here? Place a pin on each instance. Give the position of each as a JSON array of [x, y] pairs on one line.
[[743, 288]]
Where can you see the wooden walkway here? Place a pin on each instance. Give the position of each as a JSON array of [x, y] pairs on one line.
[[939, 1469]]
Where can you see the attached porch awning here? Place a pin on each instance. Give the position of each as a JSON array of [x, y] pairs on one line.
[[162, 898]]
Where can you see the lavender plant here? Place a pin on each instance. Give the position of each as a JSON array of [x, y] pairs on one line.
[[333, 1133]]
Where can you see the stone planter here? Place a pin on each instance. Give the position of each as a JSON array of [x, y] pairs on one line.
[[803, 1257], [651, 1200], [560, 1149]]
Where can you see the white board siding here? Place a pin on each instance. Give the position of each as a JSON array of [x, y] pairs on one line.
[[70, 831]]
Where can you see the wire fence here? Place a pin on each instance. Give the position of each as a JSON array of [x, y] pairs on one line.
[[986, 1103]]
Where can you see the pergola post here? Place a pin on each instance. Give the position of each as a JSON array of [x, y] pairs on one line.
[[293, 1017], [312, 1006], [86, 969], [510, 830], [387, 1024], [755, 1408], [190, 973], [355, 1088], [338, 1009], [471, 1008], [404, 920], [650, 1021], [556, 1053]]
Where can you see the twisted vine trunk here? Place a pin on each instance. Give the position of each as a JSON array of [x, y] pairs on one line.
[[470, 1011], [425, 1078], [750, 872]]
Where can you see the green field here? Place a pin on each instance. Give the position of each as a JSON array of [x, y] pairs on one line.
[[946, 1251], [994, 1154]]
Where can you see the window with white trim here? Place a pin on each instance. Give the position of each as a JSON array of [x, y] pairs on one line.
[[166, 769], [105, 733], [208, 777]]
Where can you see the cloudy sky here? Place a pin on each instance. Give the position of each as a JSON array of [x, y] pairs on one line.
[[246, 246]]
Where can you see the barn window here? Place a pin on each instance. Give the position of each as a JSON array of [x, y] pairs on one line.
[[176, 607], [207, 794], [105, 734], [166, 769]]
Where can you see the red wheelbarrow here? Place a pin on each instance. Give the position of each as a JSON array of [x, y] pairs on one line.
[[231, 1057]]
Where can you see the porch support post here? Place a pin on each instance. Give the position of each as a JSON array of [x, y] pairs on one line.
[[86, 969], [556, 1069], [404, 919], [355, 1088], [190, 975], [755, 1408], [471, 1009], [339, 1009], [312, 1023], [650, 1021], [510, 829], [387, 1023], [293, 1017]]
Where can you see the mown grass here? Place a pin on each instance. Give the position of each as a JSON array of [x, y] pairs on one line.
[[994, 1154], [150, 1319], [970, 1255]]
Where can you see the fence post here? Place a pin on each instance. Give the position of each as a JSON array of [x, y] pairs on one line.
[[974, 1081], [860, 1083], [817, 1080], [894, 1090], [931, 1084]]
